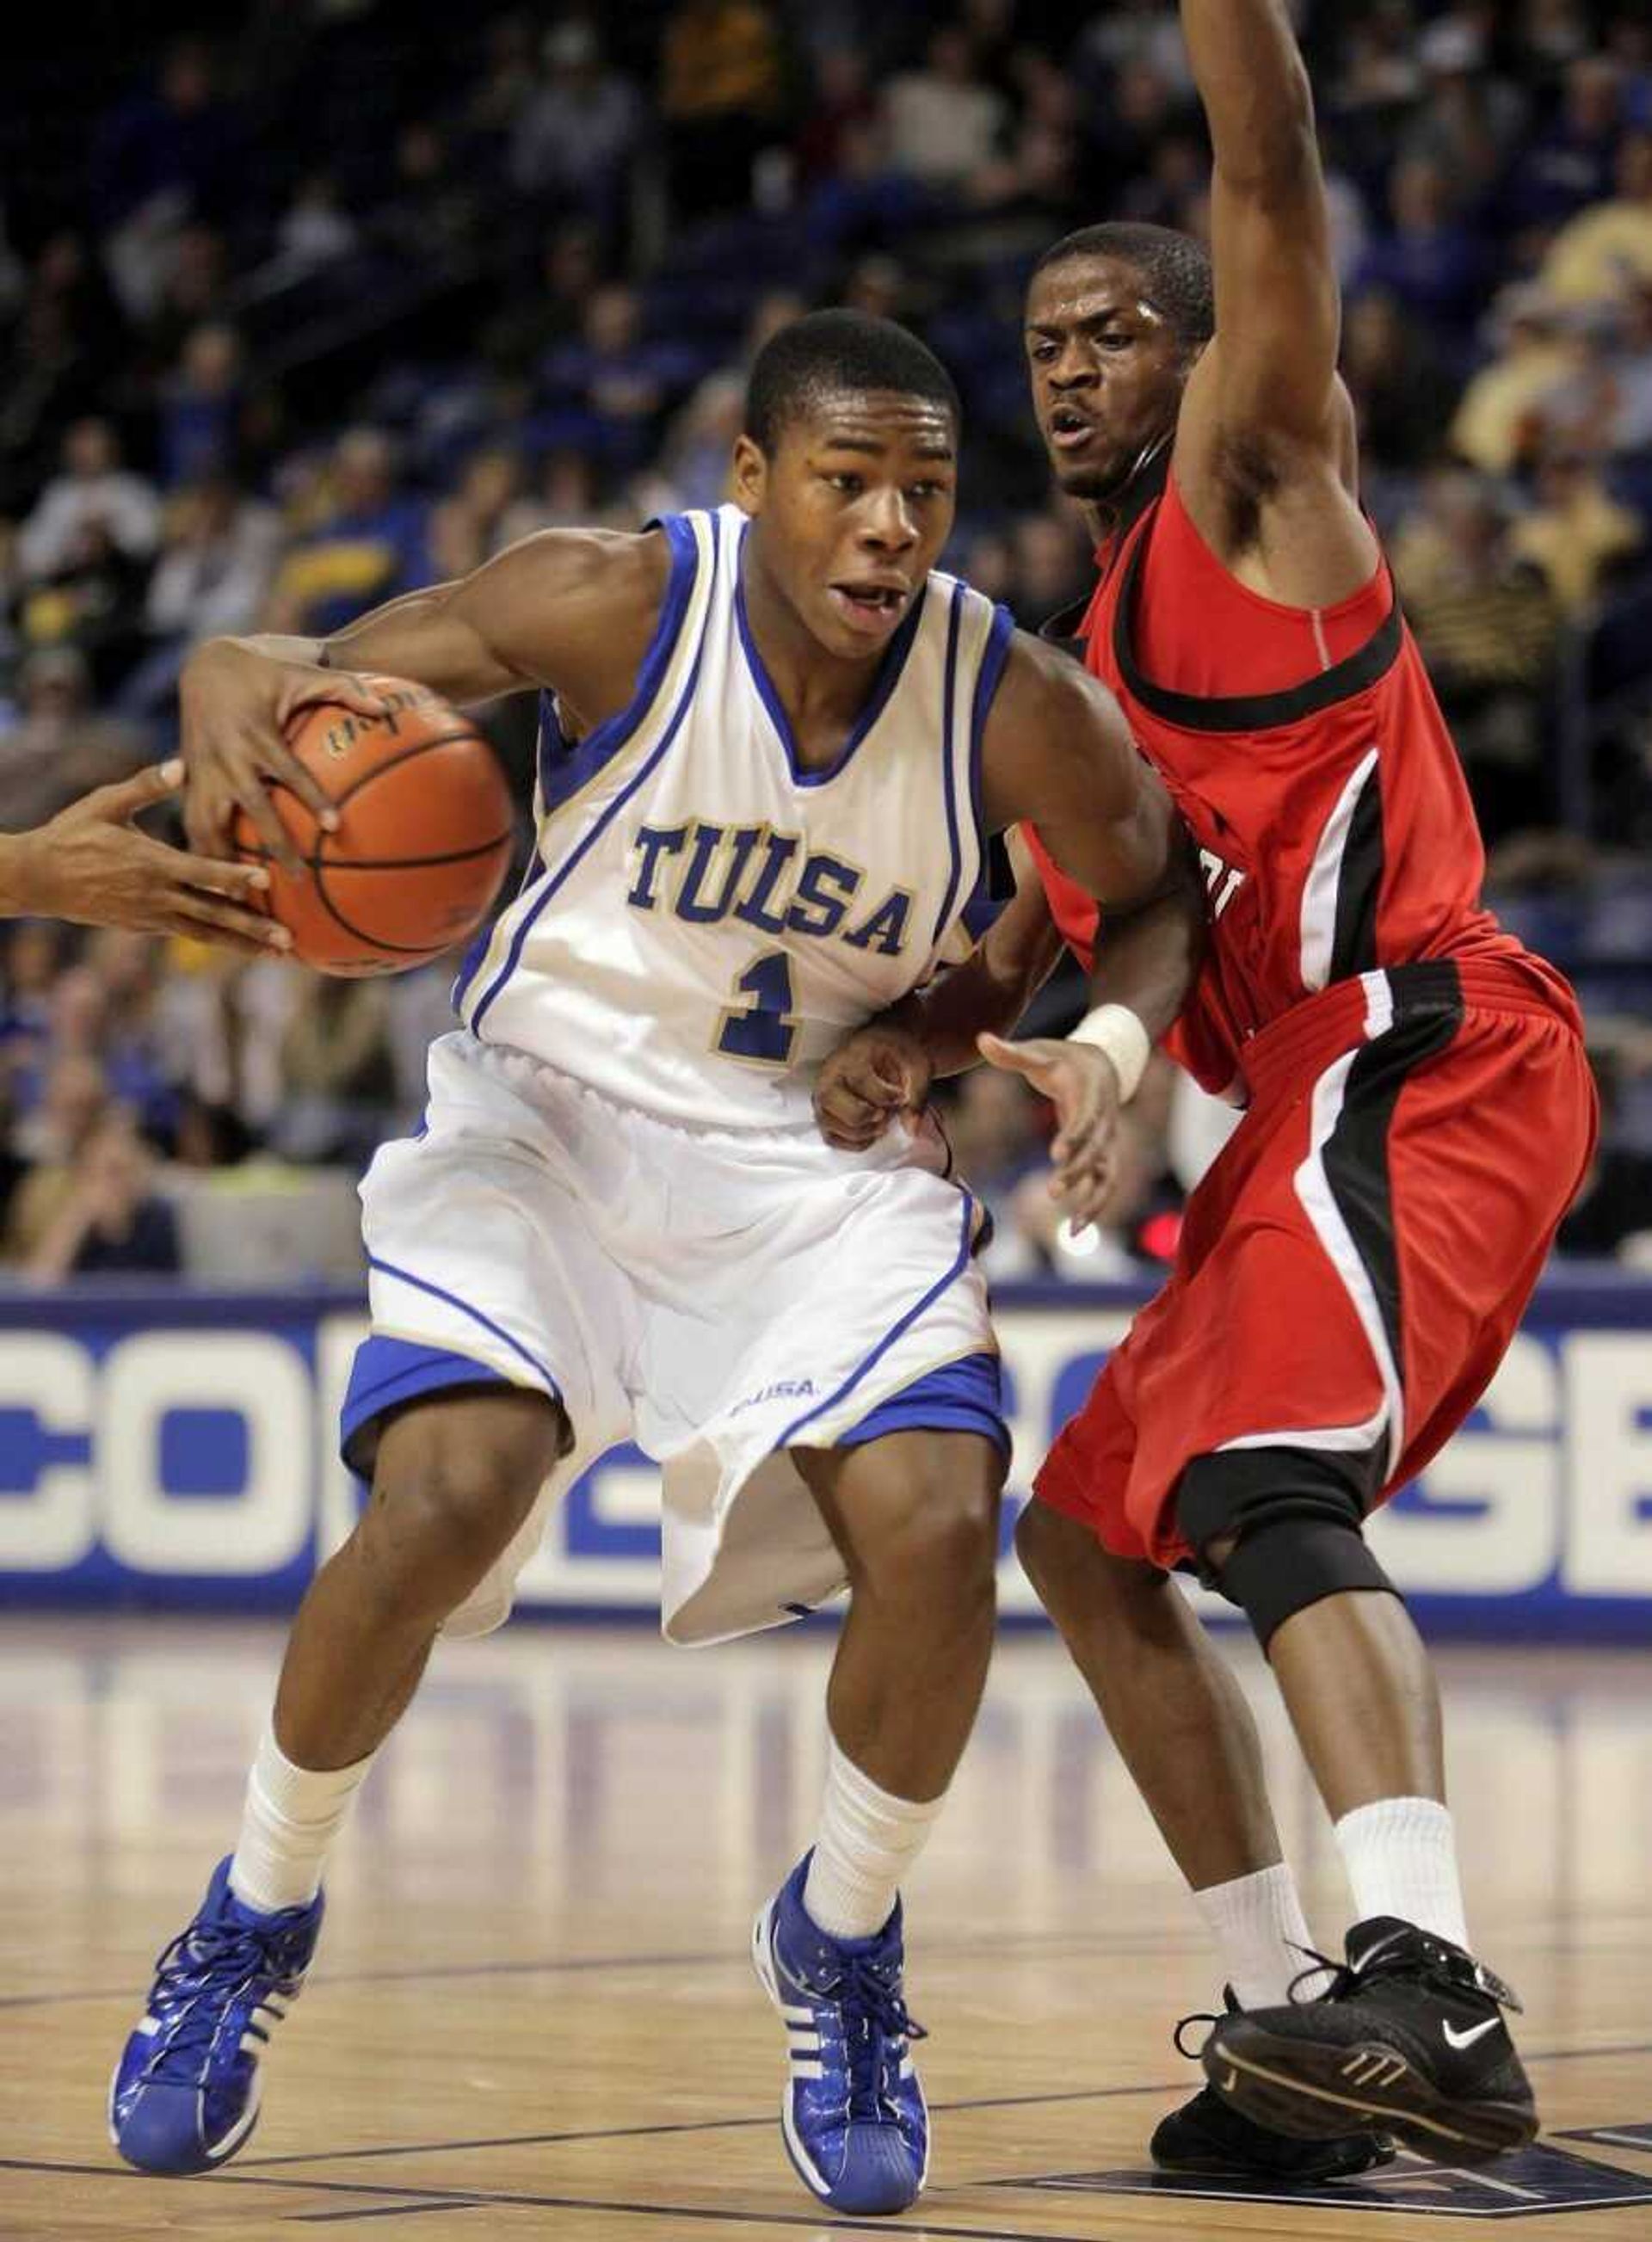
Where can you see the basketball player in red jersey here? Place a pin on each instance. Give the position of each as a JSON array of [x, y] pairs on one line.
[[1419, 1115]]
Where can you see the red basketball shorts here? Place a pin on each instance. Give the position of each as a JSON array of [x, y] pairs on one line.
[[1353, 1266]]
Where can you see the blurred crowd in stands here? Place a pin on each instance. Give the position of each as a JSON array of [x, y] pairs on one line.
[[300, 317]]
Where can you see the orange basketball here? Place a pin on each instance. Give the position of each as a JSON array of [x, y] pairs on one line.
[[423, 839]]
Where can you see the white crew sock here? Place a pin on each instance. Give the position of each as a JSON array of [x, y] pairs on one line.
[[1261, 1930], [867, 1839], [1402, 1858], [290, 1820]]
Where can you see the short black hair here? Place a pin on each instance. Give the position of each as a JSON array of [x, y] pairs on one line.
[[1173, 265], [831, 353]]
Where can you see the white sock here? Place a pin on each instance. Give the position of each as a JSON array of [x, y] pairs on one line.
[[290, 1820], [1259, 1928], [1402, 1858], [867, 1839]]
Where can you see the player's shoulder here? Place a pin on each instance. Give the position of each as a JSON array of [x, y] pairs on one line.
[[1043, 684], [629, 568], [1052, 722]]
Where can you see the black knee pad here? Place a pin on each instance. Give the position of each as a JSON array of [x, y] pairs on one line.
[[1297, 1515]]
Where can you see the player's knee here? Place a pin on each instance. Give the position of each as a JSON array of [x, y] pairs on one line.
[[1050, 1547], [451, 1488], [940, 1540], [1276, 1529], [1072, 1573]]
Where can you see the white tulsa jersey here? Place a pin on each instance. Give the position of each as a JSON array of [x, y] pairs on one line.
[[703, 919]]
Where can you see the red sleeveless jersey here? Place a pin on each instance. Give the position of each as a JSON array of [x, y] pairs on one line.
[[1309, 759]]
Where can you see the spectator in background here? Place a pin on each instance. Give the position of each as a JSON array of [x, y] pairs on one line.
[[94, 501], [60, 349], [1606, 250], [163, 157], [1498, 419], [32, 958], [201, 406], [1469, 120], [1570, 165], [1576, 533], [613, 388], [370, 546], [137, 1062], [192, 294], [721, 100], [842, 105], [1427, 259], [1487, 623], [337, 1072], [1053, 567], [941, 125], [315, 231], [549, 310], [1402, 395], [693, 467], [75, 1100], [566, 494], [110, 1221], [215, 564], [574, 139], [57, 745], [431, 210]]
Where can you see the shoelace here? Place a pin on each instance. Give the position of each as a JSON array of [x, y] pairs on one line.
[[199, 1959], [1199, 2016], [1447, 1971], [874, 2017]]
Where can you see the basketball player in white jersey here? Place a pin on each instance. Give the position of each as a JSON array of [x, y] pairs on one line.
[[774, 741]]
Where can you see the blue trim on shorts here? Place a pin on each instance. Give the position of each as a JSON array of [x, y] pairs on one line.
[[960, 1262], [387, 1372], [554, 880], [423, 1284], [948, 774], [961, 1396]]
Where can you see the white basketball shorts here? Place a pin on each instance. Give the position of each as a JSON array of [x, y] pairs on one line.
[[718, 1297]]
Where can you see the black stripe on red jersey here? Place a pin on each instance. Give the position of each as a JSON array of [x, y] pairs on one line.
[[1354, 941], [1427, 1003], [1249, 712]]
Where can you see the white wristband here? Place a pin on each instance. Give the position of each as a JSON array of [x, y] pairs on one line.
[[1115, 1029]]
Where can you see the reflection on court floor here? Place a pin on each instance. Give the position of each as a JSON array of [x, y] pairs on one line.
[[533, 1996]]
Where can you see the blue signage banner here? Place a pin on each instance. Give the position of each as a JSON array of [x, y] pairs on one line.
[[173, 1449]]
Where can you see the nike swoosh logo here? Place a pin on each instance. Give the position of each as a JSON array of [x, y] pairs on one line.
[[1372, 1952], [1467, 2040]]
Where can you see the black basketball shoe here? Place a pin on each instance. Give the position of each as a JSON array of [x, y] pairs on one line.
[[1209, 2136], [1409, 2036]]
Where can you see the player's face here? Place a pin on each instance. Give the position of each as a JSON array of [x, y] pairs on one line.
[[1107, 372], [852, 509]]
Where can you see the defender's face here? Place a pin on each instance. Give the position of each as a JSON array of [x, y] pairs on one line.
[[1107, 372], [852, 510]]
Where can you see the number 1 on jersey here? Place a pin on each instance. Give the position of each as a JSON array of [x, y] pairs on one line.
[[765, 1031]]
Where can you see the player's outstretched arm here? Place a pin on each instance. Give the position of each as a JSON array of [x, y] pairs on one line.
[[572, 609], [1271, 372], [1058, 755], [90, 865], [886, 1067]]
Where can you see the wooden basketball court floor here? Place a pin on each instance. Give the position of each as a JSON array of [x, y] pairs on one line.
[[533, 2013]]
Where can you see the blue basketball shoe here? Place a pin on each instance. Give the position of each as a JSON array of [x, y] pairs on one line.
[[853, 2117], [185, 2091]]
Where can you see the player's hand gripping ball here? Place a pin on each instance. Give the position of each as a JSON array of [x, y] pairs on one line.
[[422, 842]]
